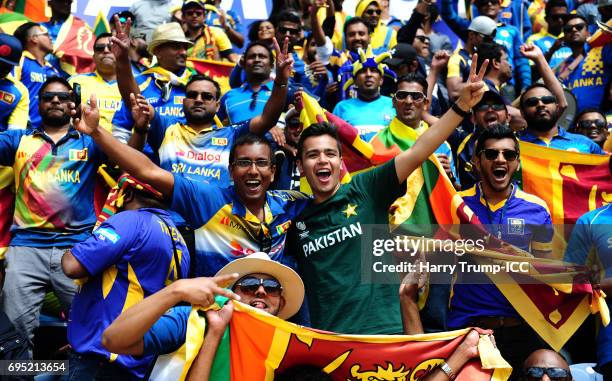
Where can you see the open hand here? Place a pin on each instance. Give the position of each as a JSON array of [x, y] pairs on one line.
[[284, 61], [89, 119], [474, 88]]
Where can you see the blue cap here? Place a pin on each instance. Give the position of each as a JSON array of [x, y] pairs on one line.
[[10, 49]]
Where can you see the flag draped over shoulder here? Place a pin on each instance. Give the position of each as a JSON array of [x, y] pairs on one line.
[[556, 297], [570, 183], [74, 46], [217, 70], [261, 345]]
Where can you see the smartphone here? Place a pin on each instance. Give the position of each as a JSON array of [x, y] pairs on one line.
[[76, 88]]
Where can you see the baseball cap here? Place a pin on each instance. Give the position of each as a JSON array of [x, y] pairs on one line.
[[494, 96], [483, 25], [402, 54], [191, 3], [10, 49]]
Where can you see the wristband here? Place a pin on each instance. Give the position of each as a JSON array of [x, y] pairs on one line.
[[459, 111], [444, 367], [281, 85]]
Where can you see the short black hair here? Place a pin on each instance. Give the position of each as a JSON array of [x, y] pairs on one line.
[[590, 110], [259, 43], [572, 16], [414, 77], [102, 35], [531, 87], [202, 77], [354, 20], [54, 79], [496, 131], [553, 4], [488, 50], [250, 139], [23, 32], [317, 129], [288, 15]]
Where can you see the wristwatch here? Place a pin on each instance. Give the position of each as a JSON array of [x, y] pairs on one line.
[[448, 371]]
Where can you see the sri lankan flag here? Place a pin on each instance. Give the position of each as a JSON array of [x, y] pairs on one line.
[[10, 21], [571, 183], [261, 345], [74, 46], [556, 297], [217, 70], [35, 10]]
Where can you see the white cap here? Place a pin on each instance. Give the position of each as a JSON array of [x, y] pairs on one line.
[[484, 25]]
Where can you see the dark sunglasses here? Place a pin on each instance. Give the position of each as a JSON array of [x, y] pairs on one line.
[[481, 3], [416, 96], [247, 163], [99, 48], [194, 13], [578, 27], [206, 97], [546, 99], [63, 96], [291, 31], [558, 17], [555, 374], [371, 12], [587, 124], [250, 285], [423, 39], [487, 106], [492, 154]]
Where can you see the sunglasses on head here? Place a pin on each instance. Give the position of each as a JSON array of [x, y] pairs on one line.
[[99, 48], [486, 106], [206, 97], [416, 96], [546, 99], [578, 27], [492, 154], [587, 124], [371, 12], [250, 285], [62, 96], [555, 374]]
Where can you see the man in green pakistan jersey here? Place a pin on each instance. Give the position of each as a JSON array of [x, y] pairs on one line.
[[326, 237]]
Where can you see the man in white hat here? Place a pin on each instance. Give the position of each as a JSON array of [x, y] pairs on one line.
[[163, 85], [158, 326]]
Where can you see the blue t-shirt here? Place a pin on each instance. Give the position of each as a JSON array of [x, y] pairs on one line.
[[129, 257], [588, 80], [242, 103], [545, 41], [522, 220], [168, 333], [367, 117], [226, 230], [54, 186], [14, 104], [593, 232], [564, 140]]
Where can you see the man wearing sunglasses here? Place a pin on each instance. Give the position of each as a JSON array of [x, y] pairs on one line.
[[593, 124], [507, 35], [549, 40], [547, 365], [587, 70], [34, 69], [541, 109], [53, 203], [157, 326], [382, 37], [513, 216], [102, 81]]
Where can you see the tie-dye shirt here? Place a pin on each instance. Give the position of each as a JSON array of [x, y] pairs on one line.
[[54, 186]]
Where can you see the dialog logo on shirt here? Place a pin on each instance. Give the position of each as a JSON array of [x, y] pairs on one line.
[[219, 141], [105, 233], [7, 97], [77, 154], [516, 226]]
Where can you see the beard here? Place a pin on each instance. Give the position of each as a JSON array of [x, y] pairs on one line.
[[55, 121], [541, 124], [199, 118]]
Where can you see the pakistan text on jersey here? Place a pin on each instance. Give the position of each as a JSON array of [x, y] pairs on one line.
[[200, 171], [330, 239]]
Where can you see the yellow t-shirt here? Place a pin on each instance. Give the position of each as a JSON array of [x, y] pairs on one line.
[[210, 44], [107, 95]]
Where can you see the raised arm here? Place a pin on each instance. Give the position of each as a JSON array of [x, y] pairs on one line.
[[120, 47], [276, 103], [127, 158], [125, 335], [426, 144], [142, 113], [533, 52]]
